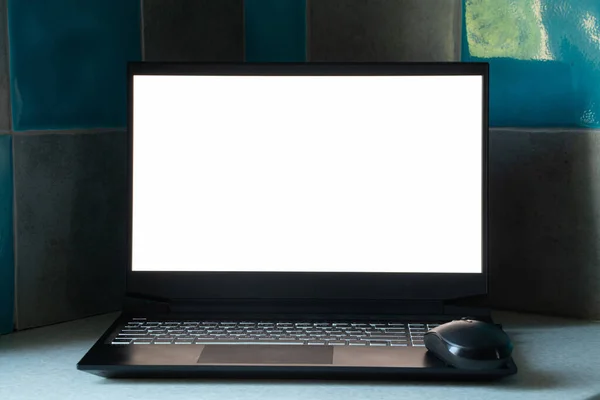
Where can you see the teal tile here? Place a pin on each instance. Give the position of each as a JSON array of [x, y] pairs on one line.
[[7, 277], [68, 61], [544, 59], [275, 30]]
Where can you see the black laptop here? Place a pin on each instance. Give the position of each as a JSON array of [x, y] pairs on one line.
[[301, 220]]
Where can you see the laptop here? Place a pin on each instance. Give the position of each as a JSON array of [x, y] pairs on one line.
[[301, 220]]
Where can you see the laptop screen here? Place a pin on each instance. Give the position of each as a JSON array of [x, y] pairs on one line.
[[307, 173]]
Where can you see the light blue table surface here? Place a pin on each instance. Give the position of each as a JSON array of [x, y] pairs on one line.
[[557, 359]]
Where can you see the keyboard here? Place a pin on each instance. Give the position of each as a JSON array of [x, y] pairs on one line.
[[142, 331]]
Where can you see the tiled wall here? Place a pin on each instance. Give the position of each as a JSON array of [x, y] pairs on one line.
[[67, 74], [68, 63], [544, 60]]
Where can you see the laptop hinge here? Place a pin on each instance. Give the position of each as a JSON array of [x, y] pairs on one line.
[[137, 304], [475, 306], [307, 308], [472, 306]]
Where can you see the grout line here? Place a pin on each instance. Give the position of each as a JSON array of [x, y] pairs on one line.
[[142, 30], [69, 131], [544, 129], [307, 33], [244, 31], [14, 237]]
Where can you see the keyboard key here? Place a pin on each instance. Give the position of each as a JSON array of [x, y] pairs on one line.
[[139, 341], [398, 344], [241, 342], [121, 341], [384, 337], [397, 330], [378, 343], [177, 341], [133, 335], [316, 343], [356, 343], [337, 343]]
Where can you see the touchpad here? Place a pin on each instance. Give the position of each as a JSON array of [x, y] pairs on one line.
[[266, 354]]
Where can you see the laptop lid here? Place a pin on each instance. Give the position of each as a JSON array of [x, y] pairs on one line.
[[308, 181]]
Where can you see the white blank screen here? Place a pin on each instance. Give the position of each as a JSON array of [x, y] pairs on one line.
[[319, 174]]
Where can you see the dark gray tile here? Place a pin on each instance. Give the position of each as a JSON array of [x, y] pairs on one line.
[[71, 225], [545, 221], [384, 30], [4, 75], [193, 30]]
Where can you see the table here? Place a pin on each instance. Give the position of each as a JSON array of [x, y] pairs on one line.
[[557, 358]]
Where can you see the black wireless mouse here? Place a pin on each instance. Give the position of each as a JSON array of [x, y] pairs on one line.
[[469, 344]]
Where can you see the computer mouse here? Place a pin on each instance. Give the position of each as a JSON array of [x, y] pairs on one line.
[[469, 344]]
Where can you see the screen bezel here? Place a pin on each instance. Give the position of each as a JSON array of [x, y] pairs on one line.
[[177, 285]]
